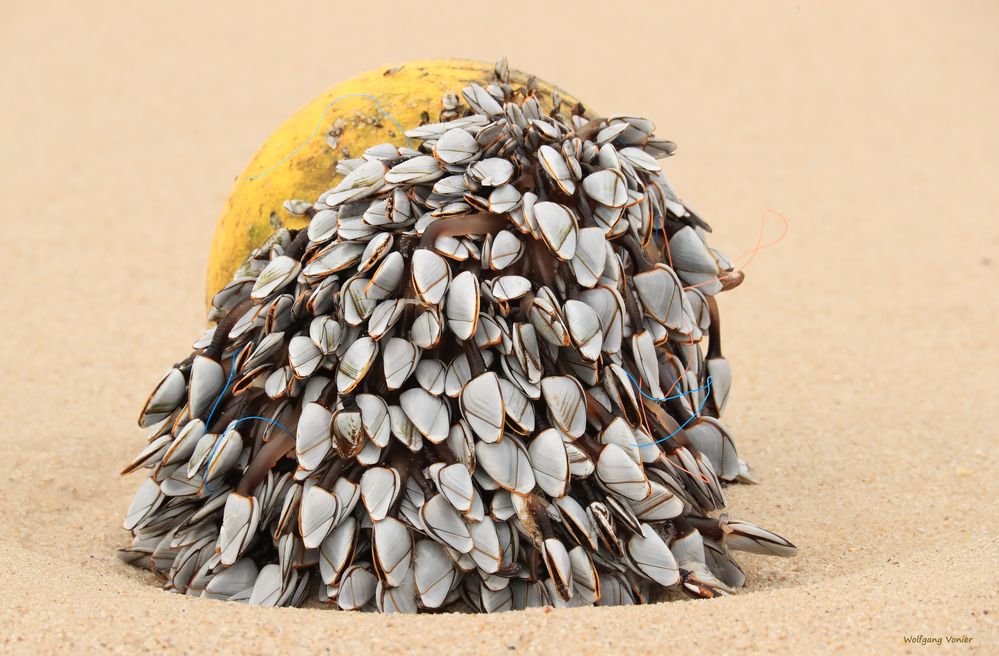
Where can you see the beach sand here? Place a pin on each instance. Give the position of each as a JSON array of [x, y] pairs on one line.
[[864, 345]]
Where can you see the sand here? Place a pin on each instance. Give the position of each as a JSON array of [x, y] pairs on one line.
[[864, 345]]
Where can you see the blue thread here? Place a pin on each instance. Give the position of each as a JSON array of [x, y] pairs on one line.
[[232, 425], [322, 117], [232, 372], [663, 398], [218, 443], [689, 419], [269, 421], [218, 440]]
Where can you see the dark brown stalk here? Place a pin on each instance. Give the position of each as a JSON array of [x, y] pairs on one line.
[[540, 265], [525, 305], [589, 446], [539, 513], [298, 245], [661, 424], [222, 328], [238, 407], [598, 415], [525, 182], [336, 470], [263, 460], [590, 129], [444, 453], [631, 307], [714, 330], [584, 208], [706, 526], [476, 365], [460, 226], [268, 456], [328, 395], [637, 253], [572, 288]]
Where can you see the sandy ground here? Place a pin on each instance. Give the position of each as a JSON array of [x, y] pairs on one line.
[[864, 345]]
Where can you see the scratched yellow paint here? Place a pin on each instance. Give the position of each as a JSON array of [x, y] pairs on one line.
[[296, 162]]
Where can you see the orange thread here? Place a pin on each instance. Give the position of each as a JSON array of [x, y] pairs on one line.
[[752, 255], [672, 387], [669, 253], [753, 251], [691, 474]]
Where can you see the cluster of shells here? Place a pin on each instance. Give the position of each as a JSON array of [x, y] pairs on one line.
[[475, 380]]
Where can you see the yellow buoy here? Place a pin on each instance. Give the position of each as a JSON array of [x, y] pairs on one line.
[[298, 161]]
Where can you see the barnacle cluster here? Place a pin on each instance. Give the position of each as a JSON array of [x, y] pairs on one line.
[[476, 378]]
